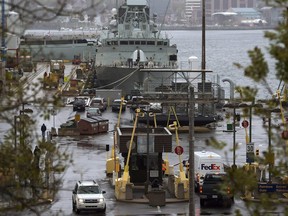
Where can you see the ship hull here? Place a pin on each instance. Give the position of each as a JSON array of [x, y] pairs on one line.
[[129, 79], [165, 119]]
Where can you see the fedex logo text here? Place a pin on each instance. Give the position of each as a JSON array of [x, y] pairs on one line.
[[211, 167]]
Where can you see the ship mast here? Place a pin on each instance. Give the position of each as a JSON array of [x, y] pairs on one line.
[[163, 19], [203, 59]]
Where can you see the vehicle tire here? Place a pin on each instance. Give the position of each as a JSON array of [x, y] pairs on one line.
[[196, 187], [227, 203], [73, 206], [202, 202], [77, 210], [104, 209]]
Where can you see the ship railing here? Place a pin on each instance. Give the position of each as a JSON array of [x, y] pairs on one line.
[[165, 66]]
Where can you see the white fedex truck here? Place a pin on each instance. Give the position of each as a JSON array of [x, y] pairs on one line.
[[204, 162]]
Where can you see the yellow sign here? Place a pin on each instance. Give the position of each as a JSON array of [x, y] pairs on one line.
[[77, 117]]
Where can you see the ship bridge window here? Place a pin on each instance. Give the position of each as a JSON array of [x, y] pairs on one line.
[[114, 42], [123, 42], [137, 42], [150, 42], [32, 43], [159, 43], [131, 42], [172, 57], [56, 42], [80, 41], [143, 42], [165, 43]]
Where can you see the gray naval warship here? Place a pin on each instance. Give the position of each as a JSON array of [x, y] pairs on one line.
[[130, 43]]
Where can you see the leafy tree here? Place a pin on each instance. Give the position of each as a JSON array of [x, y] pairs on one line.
[[244, 179], [28, 176]]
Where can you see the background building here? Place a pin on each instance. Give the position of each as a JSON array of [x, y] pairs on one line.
[[194, 7]]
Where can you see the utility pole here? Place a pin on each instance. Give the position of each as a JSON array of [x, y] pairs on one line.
[[3, 23], [191, 152], [203, 59], [3, 48]]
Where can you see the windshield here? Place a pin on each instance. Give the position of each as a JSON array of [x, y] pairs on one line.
[[88, 190], [215, 177]]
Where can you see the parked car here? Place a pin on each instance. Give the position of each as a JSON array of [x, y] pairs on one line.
[[79, 104], [99, 102], [138, 102], [93, 111], [87, 195], [117, 103], [86, 98]]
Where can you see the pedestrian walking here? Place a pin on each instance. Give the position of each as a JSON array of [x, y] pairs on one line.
[[43, 129], [37, 154]]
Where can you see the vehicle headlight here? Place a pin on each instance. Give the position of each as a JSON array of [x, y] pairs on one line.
[[101, 200], [81, 200]]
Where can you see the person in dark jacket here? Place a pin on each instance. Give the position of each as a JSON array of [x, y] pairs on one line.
[[37, 154], [43, 129]]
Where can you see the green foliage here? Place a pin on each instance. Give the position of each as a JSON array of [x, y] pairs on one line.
[[245, 180]]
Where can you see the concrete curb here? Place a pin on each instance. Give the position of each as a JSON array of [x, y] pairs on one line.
[[279, 200], [145, 200]]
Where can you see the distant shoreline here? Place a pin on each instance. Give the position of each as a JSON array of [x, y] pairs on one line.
[[187, 28], [57, 26]]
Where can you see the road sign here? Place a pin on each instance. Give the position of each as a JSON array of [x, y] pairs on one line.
[[285, 134], [278, 188], [245, 124], [53, 112], [250, 157], [77, 117], [178, 150], [249, 147]]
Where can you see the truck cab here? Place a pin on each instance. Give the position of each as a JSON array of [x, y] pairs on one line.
[[205, 162], [216, 187]]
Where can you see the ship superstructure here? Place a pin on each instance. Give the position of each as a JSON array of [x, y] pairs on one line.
[[132, 42]]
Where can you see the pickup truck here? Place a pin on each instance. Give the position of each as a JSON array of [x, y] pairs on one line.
[[215, 187]]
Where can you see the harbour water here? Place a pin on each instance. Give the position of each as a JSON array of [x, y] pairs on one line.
[[223, 49]]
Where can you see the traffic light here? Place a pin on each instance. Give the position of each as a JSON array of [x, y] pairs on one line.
[[257, 152]]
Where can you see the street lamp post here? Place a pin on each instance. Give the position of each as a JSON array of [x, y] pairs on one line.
[[233, 106], [240, 105], [270, 157], [148, 162], [252, 105]]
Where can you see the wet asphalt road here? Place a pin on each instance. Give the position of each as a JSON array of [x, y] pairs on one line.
[[89, 162]]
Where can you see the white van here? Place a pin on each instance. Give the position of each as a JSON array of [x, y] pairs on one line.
[[204, 162]]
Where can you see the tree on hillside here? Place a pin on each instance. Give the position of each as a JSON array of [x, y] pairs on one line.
[[29, 174], [245, 180]]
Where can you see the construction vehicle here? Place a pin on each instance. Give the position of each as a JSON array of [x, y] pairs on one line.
[[76, 60], [56, 75]]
